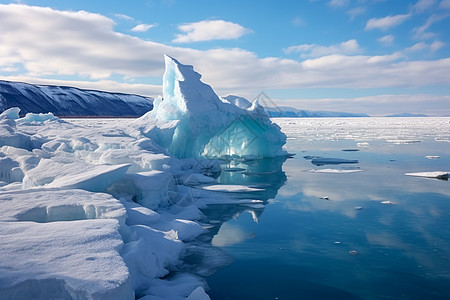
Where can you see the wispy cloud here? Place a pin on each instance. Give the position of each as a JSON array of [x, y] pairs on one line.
[[357, 11], [298, 22], [386, 22], [123, 17], [208, 30], [142, 27], [423, 5], [338, 3], [422, 46], [386, 40], [314, 50], [422, 31], [445, 4]]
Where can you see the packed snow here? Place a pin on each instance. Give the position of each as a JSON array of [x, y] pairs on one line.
[[102, 210]]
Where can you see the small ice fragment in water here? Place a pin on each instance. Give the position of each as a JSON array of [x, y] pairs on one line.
[[353, 252], [336, 171], [325, 198], [358, 207], [337, 243], [364, 144], [435, 174], [432, 157], [388, 202]]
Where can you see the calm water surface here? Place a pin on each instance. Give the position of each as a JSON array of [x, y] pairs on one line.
[[344, 231]]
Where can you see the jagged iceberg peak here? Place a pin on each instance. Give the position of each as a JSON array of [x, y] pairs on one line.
[[190, 120]]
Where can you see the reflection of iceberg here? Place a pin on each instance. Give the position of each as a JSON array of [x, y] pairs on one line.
[[191, 120], [270, 177]]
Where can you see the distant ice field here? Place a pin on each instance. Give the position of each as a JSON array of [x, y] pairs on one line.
[[390, 130], [344, 220]]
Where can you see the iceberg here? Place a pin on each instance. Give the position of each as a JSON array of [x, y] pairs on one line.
[[190, 120]]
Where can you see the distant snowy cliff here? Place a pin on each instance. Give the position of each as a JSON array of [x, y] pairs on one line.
[[70, 101]]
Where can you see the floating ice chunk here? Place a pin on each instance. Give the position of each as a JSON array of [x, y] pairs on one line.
[[432, 157], [363, 144], [435, 174], [12, 113], [388, 202], [203, 125], [231, 188], [63, 260], [320, 161], [336, 171]]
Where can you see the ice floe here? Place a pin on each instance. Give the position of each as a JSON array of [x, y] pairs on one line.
[[434, 174], [336, 171]]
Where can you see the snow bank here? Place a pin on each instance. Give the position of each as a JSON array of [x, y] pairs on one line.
[[52, 205], [63, 260], [191, 120]]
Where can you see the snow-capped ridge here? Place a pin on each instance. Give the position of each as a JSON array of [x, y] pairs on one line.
[[70, 101]]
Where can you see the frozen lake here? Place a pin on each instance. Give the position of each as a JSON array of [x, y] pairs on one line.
[[355, 230]]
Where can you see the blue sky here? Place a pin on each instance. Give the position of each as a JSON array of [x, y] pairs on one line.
[[372, 56]]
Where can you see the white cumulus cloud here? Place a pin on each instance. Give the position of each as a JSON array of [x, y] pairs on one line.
[[386, 22], [208, 30], [48, 43]]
